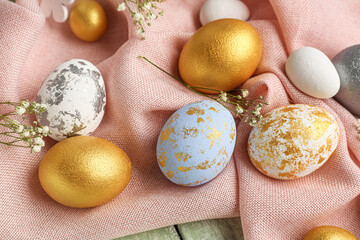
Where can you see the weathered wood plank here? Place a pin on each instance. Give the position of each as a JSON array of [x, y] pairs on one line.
[[219, 229], [166, 233]]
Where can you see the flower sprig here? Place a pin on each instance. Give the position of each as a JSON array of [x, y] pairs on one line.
[[23, 135], [246, 109], [358, 129], [142, 12]]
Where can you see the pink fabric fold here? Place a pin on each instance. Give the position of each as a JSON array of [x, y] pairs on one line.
[[139, 101]]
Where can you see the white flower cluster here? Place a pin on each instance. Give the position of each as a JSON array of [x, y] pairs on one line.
[[243, 106], [27, 107], [22, 135], [146, 11]]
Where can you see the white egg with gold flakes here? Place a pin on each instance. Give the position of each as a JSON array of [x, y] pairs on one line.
[[196, 143], [293, 141]]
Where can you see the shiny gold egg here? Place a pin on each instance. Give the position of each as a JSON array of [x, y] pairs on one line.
[[88, 20], [84, 171], [221, 55], [329, 233]]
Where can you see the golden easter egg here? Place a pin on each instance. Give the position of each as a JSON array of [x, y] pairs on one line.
[[293, 141], [329, 233], [88, 20], [84, 171], [221, 55]]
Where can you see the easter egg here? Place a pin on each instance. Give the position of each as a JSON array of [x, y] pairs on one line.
[[84, 171], [312, 72], [218, 9], [75, 97], [221, 55], [347, 64], [329, 233], [88, 20], [196, 143], [293, 141]]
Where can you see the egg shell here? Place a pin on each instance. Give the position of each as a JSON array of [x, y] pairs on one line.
[[220, 56], [74, 93], [218, 9], [312, 72], [347, 64], [293, 141], [196, 143], [329, 233]]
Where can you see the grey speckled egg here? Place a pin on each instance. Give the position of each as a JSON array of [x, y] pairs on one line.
[[347, 63], [75, 96]]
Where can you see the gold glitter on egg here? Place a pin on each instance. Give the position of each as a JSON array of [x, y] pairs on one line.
[[221, 55], [84, 171], [329, 233], [88, 20], [293, 141]]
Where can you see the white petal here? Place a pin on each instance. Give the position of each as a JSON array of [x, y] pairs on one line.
[[46, 7], [67, 2], [60, 14]]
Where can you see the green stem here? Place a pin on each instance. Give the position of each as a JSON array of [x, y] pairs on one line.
[[128, 7], [15, 145], [187, 85]]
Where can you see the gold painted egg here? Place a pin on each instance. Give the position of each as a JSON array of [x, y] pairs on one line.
[[84, 171], [88, 20], [221, 55], [329, 233], [293, 141]]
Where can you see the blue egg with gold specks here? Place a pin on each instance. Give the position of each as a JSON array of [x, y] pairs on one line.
[[196, 143]]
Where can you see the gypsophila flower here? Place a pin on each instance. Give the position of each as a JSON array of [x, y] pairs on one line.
[[244, 93], [246, 109], [146, 6], [39, 141], [121, 7], [138, 17], [36, 148], [20, 110], [14, 133], [19, 129], [45, 129], [223, 96], [238, 109], [25, 104], [252, 122], [142, 12]]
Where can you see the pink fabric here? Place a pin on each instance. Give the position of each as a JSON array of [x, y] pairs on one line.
[[140, 100]]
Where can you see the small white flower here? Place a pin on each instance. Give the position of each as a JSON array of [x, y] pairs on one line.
[[39, 141], [138, 17], [20, 110], [25, 134], [25, 104], [238, 109], [147, 6], [20, 128], [36, 148], [140, 32], [150, 16], [121, 7], [223, 96], [252, 122], [244, 93], [46, 129]]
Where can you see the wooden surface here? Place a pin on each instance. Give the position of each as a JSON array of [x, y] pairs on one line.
[[216, 229]]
